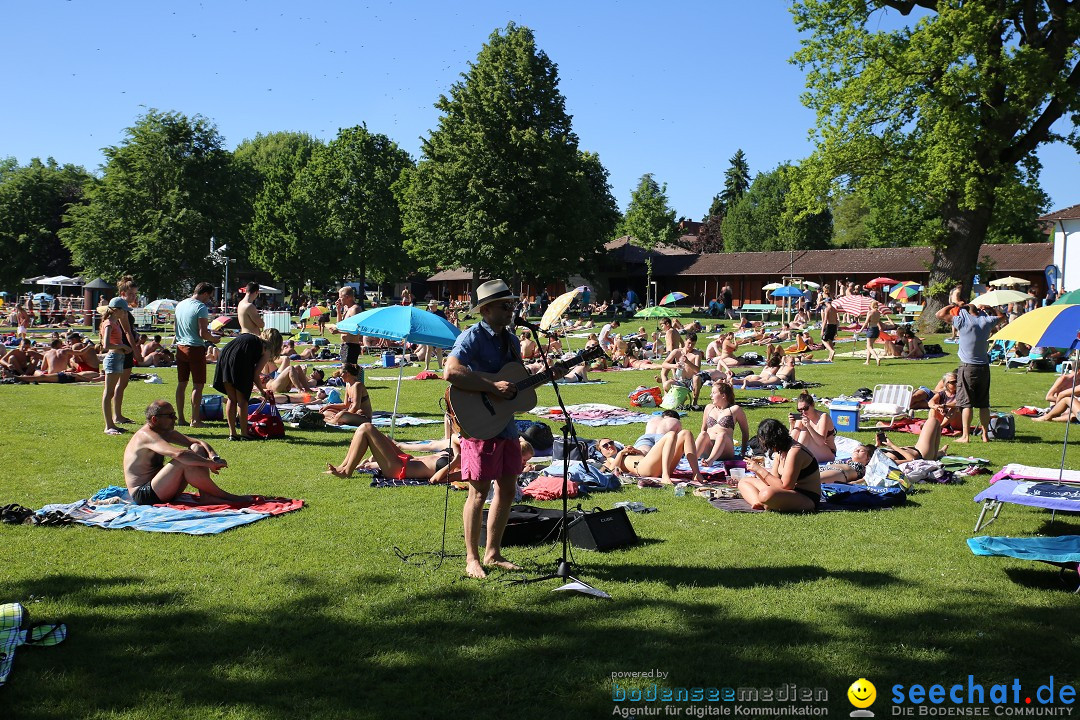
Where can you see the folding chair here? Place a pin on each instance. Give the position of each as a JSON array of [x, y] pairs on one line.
[[889, 401]]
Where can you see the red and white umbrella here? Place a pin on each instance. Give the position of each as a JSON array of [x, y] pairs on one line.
[[882, 281], [852, 304]]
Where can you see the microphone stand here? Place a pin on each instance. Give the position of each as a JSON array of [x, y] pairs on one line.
[[564, 569]]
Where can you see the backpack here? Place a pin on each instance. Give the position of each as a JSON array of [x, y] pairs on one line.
[[538, 435], [646, 397], [1002, 427], [305, 418], [676, 398], [213, 407]]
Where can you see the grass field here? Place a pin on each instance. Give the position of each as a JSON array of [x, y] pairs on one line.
[[313, 614]]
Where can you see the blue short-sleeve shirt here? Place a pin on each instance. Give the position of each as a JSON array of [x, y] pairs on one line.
[[973, 333], [483, 350]]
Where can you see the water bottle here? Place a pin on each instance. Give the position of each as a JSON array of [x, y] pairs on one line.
[[680, 489]]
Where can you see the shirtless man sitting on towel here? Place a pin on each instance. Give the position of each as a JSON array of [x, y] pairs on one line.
[[150, 481]]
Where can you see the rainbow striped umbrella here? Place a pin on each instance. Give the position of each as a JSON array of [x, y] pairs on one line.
[[905, 290], [672, 297]]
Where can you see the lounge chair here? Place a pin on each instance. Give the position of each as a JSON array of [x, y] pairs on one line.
[[890, 402]]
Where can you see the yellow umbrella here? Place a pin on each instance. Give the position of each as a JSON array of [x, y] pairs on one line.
[[559, 306], [1001, 297]]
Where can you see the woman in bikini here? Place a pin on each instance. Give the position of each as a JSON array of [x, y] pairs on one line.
[[356, 408], [794, 482], [851, 471], [716, 440], [659, 461], [872, 328], [728, 347], [927, 446], [812, 429]]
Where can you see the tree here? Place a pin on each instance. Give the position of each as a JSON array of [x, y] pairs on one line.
[[736, 180], [649, 221], [944, 110], [33, 200], [502, 187], [165, 191], [349, 184], [283, 236], [765, 218]]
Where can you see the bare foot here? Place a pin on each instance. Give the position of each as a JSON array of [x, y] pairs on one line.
[[943, 451], [114, 431], [962, 439], [336, 472], [985, 436], [757, 506], [475, 569], [500, 562], [1041, 418], [181, 421], [196, 423]]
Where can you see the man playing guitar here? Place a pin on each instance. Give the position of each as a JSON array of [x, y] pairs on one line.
[[485, 348]]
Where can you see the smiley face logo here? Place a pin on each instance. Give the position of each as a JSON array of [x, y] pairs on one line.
[[862, 693]]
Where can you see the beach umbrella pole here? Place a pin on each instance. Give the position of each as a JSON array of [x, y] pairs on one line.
[[397, 394], [1072, 398]]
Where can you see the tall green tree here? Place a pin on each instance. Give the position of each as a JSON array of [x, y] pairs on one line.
[[944, 109], [736, 179], [502, 187], [649, 220], [33, 200], [165, 191], [284, 237], [765, 218], [349, 184]]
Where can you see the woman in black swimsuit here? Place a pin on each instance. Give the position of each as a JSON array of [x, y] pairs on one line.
[[794, 482]]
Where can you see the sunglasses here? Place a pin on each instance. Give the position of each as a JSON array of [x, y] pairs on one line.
[[168, 415], [607, 444], [802, 409]]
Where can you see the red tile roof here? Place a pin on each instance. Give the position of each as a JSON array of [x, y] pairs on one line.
[[852, 261], [1069, 213]]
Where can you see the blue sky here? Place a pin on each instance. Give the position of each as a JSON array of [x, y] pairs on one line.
[[668, 88]]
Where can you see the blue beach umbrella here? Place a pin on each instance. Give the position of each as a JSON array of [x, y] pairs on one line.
[[401, 323], [787, 291]]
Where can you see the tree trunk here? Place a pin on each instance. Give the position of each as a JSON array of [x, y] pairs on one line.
[[956, 260]]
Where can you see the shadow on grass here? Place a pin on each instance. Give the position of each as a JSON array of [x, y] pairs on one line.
[[346, 648]]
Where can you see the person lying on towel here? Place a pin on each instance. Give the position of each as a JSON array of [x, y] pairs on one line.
[[851, 471], [659, 460], [927, 446], [151, 481], [394, 463]]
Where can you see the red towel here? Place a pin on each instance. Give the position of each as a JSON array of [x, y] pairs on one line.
[[269, 505], [548, 487]]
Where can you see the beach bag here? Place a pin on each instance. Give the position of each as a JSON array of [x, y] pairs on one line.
[[676, 398], [579, 451], [646, 397], [266, 421], [882, 471], [213, 407], [932, 349], [1002, 427]]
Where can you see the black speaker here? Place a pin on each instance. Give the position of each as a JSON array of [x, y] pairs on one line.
[[528, 525], [602, 530]]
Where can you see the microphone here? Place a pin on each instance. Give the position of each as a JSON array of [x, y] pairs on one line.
[[520, 321]]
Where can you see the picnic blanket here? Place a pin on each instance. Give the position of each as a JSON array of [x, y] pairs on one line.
[[1016, 471], [913, 426], [381, 418], [111, 508], [593, 414]]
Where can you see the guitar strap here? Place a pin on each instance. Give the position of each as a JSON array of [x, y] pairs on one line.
[[508, 353]]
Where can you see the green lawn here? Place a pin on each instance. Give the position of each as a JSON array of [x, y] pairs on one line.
[[313, 614]]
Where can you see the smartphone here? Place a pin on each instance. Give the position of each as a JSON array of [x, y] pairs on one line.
[[881, 436]]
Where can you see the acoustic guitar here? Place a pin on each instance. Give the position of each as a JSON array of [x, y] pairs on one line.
[[484, 415]]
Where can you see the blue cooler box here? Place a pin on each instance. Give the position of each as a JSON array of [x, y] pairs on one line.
[[845, 415]]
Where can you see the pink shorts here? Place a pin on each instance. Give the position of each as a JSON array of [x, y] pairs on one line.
[[490, 459]]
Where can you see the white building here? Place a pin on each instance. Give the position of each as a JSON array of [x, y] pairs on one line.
[[1066, 233]]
